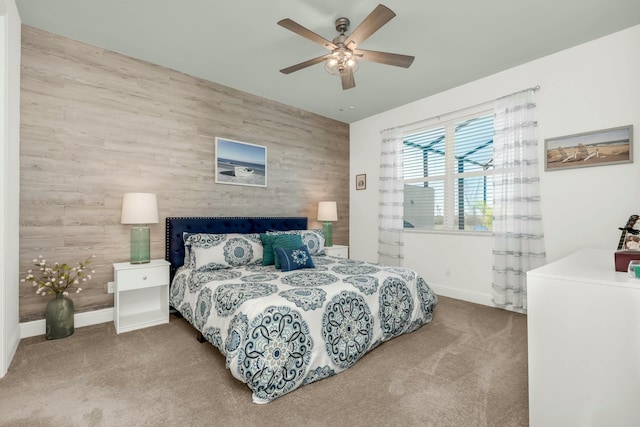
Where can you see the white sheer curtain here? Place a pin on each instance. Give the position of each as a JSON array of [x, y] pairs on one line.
[[517, 224], [391, 203]]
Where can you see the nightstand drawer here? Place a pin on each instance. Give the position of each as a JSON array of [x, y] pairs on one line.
[[142, 277], [339, 251]]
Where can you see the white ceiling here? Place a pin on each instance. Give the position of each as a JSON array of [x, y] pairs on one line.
[[237, 43]]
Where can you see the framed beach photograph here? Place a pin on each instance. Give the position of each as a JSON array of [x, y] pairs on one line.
[[240, 163], [598, 148], [361, 181]]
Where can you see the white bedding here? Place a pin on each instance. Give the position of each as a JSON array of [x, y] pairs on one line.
[[281, 330]]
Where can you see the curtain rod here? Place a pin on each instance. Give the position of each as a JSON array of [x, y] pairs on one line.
[[534, 88]]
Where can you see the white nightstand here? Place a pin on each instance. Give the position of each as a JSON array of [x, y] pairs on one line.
[[337, 251], [141, 294]]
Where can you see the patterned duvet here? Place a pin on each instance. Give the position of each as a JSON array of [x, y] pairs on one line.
[[282, 330]]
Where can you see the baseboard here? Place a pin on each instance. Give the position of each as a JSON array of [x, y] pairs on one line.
[[12, 347], [37, 327], [463, 295]]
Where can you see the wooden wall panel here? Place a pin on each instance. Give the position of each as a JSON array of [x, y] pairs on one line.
[[97, 124]]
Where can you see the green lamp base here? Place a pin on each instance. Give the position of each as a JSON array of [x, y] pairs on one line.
[[327, 230], [140, 247]]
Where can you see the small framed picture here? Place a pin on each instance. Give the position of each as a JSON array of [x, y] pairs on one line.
[[632, 242], [361, 181]]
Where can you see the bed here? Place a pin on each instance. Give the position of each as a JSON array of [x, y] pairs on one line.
[[281, 328]]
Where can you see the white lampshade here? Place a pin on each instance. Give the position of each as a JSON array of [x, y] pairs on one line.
[[139, 208], [327, 211]]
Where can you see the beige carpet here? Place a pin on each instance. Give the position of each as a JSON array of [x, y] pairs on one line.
[[467, 368]]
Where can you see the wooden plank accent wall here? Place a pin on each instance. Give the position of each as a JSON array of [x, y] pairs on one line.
[[97, 124]]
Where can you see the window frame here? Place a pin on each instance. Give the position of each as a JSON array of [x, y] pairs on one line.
[[450, 176]]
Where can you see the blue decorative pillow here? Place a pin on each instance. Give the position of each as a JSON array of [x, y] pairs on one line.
[[287, 241], [294, 259]]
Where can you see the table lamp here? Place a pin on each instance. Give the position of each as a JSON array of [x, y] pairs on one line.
[[140, 209], [327, 212]]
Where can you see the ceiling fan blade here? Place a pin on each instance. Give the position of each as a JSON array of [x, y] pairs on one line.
[[372, 23], [306, 33], [384, 58], [305, 64], [348, 81]]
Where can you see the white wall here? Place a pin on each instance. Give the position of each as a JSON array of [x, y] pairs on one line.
[[9, 179], [589, 87]]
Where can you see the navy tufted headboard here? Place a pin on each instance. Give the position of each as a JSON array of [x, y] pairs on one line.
[[176, 226]]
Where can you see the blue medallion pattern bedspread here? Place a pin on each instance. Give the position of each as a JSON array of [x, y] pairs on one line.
[[281, 330]]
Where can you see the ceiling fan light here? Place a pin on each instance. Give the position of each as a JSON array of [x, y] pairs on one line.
[[340, 60], [331, 67]]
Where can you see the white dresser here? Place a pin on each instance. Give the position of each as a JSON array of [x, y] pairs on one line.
[[583, 343]]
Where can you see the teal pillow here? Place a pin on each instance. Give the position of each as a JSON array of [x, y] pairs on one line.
[[286, 241], [267, 246], [294, 259]]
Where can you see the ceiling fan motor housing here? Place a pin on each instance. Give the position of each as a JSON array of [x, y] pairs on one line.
[[342, 25], [339, 40]]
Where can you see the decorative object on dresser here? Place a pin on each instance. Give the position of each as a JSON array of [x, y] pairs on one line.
[[624, 242], [240, 163], [140, 209], [141, 295], [634, 268], [628, 245], [598, 148], [327, 212], [361, 181], [622, 259], [58, 279]]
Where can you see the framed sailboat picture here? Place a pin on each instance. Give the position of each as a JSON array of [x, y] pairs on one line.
[[240, 163]]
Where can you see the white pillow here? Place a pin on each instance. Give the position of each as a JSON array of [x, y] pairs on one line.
[[224, 250]]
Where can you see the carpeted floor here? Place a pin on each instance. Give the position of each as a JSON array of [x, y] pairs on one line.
[[466, 368]]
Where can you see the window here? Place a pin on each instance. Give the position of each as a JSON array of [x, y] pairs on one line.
[[448, 175]]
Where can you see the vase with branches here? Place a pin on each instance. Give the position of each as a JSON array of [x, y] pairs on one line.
[[58, 279]]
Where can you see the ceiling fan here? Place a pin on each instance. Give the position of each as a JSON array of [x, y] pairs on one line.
[[344, 55]]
